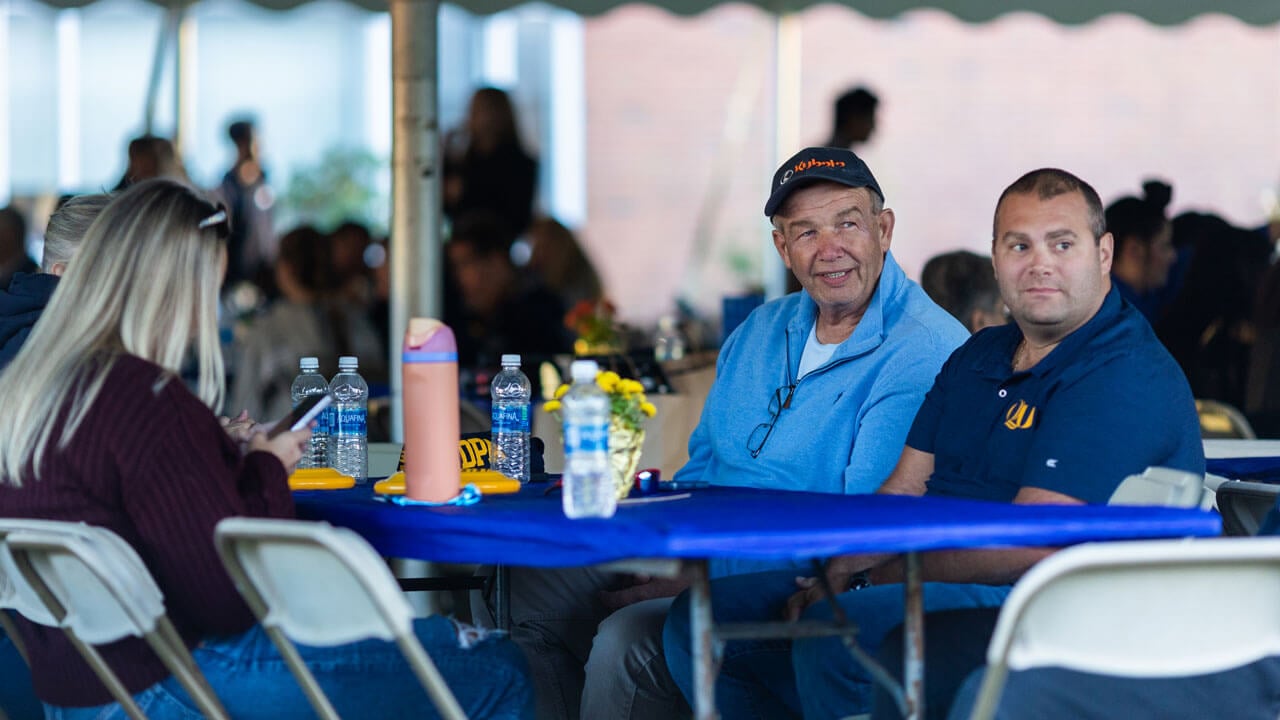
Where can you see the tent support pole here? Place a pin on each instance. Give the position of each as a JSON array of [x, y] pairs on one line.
[[789, 36], [416, 265]]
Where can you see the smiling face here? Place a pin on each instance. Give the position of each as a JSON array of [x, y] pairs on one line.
[[1052, 273], [834, 239]]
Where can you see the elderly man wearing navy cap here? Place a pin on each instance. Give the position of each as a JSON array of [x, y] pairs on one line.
[[814, 391]]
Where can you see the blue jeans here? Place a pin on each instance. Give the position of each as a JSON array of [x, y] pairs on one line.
[[368, 679], [17, 699], [814, 678]]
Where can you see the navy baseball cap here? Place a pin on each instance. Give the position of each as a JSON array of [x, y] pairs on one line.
[[819, 164]]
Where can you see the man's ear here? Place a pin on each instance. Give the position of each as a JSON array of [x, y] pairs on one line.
[[1106, 251], [886, 221], [780, 244]]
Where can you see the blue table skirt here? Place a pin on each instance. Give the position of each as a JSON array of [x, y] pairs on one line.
[[530, 529], [1257, 469]]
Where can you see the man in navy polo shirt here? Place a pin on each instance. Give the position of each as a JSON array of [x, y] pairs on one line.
[[1056, 408]]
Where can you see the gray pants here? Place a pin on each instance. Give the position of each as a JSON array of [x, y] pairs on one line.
[[587, 662]]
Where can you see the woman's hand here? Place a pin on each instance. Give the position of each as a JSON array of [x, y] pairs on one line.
[[287, 446], [241, 427]]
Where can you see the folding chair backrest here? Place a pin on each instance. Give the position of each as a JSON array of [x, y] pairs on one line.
[[1166, 608], [316, 584], [98, 579], [1161, 486], [15, 593], [96, 588], [321, 585], [1244, 504]]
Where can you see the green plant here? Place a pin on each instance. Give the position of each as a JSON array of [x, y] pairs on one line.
[[343, 186]]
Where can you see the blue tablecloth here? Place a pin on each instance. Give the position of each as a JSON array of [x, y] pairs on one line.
[[530, 529], [1258, 469]]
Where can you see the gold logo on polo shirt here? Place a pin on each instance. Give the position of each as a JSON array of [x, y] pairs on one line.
[[1019, 416]]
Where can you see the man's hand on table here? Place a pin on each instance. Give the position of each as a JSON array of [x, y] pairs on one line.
[[642, 587], [840, 572]]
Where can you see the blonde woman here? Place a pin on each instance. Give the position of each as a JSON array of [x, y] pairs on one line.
[[96, 426]]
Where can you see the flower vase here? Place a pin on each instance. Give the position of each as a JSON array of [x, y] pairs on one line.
[[625, 444]]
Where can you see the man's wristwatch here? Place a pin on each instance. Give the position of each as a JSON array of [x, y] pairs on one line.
[[860, 580]]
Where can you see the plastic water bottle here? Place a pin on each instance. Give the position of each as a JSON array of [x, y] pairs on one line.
[[668, 344], [510, 431], [310, 382], [349, 442], [588, 487]]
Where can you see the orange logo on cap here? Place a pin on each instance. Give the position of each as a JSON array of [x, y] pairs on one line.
[[811, 163]]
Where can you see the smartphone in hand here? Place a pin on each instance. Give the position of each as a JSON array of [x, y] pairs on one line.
[[302, 415]]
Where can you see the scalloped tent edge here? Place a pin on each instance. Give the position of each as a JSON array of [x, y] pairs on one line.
[[1156, 12]]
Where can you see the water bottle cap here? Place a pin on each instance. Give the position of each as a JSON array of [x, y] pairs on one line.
[[309, 363], [510, 361], [584, 370], [348, 362]]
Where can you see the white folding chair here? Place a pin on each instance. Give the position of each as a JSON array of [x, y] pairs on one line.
[[92, 584], [1222, 420], [15, 593], [1161, 486], [1244, 505], [319, 585], [1138, 609]]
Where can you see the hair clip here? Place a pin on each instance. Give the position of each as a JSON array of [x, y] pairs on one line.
[[217, 218]]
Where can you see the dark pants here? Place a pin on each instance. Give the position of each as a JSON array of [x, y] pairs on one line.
[[955, 645]]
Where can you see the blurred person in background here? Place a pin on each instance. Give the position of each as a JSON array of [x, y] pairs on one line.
[[252, 246], [1144, 251], [1262, 385], [964, 284], [152, 157], [558, 260], [309, 319], [1208, 325], [352, 278], [497, 311], [13, 245], [28, 292], [100, 430], [488, 170], [855, 118]]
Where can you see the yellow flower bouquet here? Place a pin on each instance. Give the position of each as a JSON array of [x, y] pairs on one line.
[[628, 409]]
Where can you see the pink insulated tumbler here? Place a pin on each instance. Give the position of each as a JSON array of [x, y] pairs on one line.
[[430, 373]]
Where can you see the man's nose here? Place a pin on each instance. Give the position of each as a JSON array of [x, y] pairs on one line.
[[1041, 256], [1040, 260], [829, 245]]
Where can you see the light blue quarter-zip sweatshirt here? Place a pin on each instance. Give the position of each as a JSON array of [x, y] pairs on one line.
[[847, 420]]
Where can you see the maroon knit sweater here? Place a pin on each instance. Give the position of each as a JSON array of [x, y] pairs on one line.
[[151, 463]]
